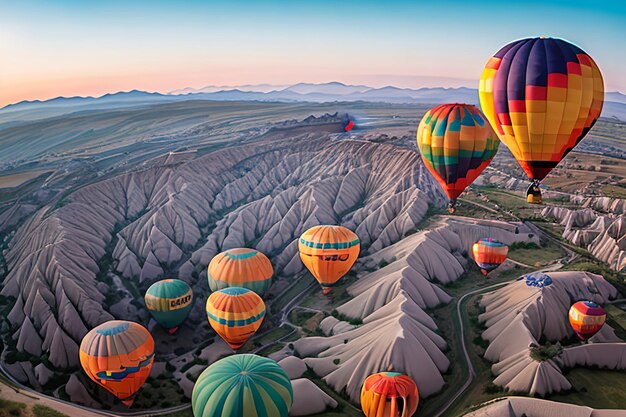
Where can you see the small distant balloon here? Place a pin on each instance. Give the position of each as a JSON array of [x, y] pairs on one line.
[[586, 319], [118, 356], [389, 394], [349, 126], [489, 254], [169, 302], [235, 313], [328, 252]]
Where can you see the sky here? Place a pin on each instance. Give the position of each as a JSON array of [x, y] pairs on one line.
[[67, 48]]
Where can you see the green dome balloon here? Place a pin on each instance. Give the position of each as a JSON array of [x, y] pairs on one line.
[[169, 302], [242, 385]]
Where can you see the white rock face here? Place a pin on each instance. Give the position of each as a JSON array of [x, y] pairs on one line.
[[294, 367], [309, 399], [517, 316], [117, 236], [604, 235], [520, 407]]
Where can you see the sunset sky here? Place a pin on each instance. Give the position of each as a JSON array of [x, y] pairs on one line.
[[67, 48]]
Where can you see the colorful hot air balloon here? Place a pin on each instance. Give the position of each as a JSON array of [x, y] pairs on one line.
[[389, 394], [586, 318], [242, 385], [541, 96], [118, 355], [240, 267], [349, 126], [235, 313], [169, 302], [328, 252], [489, 254], [456, 144]]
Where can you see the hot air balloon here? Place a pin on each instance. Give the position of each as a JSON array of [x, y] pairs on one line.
[[328, 252], [489, 254], [456, 144], [242, 385], [541, 96], [240, 267], [235, 313], [349, 126], [118, 356], [586, 318], [389, 394], [169, 302]]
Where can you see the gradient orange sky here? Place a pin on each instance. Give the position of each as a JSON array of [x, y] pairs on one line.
[[72, 48]]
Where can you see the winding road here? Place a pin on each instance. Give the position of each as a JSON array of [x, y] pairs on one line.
[[558, 264]]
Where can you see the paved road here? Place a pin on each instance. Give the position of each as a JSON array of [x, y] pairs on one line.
[[571, 255]]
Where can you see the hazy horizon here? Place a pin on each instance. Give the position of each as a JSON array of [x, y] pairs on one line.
[[74, 48]]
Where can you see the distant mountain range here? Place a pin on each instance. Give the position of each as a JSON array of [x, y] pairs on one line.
[[615, 102]]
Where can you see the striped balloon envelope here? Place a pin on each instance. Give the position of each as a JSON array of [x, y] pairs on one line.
[[586, 319], [118, 356], [240, 267], [389, 394], [328, 252], [456, 144], [169, 302], [541, 96], [235, 313], [242, 386], [489, 254]]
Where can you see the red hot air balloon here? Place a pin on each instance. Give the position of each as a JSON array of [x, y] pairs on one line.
[[586, 318]]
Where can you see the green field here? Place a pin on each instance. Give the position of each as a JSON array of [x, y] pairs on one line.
[[534, 255], [43, 411], [11, 409], [596, 388]]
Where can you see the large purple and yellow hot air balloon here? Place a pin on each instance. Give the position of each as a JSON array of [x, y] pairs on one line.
[[118, 356], [235, 313], [328, 252], [541, 96], [456, 144], [389, 394], [240, 267], [586, 319]]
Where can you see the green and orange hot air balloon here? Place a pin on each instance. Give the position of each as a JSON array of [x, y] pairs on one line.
[[456, 144], [235, 313], [389, 394], [328, 252], [240, 267], [118, 356], [242, 386], [541, 96], [489, 254], [169, 302]]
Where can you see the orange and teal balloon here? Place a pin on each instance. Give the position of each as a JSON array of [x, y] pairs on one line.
[[328, 252], [389, 394], [541, 96], [586, 319], [489, 254], [456, 144], [235, 313], [242, 386], [118, 356], [240, 267], [169, 302]]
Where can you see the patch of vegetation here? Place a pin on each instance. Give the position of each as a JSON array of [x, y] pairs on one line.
[[596, 388], [43, 411], [545, 352], [355, 322], [11, 408]]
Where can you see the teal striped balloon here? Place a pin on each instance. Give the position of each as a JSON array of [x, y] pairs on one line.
[[242, 386], [169, 302]]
